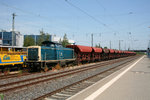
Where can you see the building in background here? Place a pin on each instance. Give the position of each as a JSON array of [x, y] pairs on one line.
[[72, 42], [58, 39], [6, 38], [18, 38], [36, 37], [52, 38]]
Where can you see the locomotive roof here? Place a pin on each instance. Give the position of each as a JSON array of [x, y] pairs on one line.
[[50, 42]]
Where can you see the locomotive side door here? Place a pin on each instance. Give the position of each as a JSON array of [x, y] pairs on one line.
[[60, 54]]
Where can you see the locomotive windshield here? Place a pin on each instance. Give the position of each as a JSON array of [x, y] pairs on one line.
[[33, 54]]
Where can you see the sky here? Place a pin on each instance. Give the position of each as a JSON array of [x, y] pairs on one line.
[[110, 21]]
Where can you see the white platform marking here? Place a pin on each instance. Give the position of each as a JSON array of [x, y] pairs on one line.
[[104, 87]]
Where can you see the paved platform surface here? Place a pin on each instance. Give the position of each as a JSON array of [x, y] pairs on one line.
[[130, 83]]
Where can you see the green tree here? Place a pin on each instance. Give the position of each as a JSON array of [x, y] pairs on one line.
[[98, 45], [65, 41], [105, 47], [29, 41], [41, 38], [47, 36]]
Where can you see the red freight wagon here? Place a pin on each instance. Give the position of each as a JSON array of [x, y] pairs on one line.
[[119, 53], [82, 53], [96, 54], [125, 53], [116, 53], [105, 54], [111, 53]]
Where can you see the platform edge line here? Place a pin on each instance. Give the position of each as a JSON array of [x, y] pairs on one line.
[[108, 84]]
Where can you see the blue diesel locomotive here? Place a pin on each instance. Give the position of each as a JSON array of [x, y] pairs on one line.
[[48, 55]]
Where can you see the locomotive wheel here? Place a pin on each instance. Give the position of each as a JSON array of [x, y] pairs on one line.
[[45, 69], [58, 66]]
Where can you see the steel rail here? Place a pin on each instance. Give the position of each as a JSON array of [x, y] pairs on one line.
[[54, 76], [59, 90]]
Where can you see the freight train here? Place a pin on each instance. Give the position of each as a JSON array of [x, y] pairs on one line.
[[11, 57], [51, 54], [48, 55]]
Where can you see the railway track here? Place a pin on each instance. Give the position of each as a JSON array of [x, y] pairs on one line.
[[71, 89], [22, 85], [8, 76], [32, 81], [13, 75]]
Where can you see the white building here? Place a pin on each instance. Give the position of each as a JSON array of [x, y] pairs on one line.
[[72, 42], [56, 39], [19, 39]]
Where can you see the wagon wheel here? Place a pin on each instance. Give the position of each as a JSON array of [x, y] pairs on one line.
[[6, 71], [77, 60]]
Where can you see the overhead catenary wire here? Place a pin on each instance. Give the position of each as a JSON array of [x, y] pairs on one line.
[[89, 15], [21, 10], [99, 3], [26, 12], [85, 13]]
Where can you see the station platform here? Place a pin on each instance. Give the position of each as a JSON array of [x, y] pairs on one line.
[[129, 83]]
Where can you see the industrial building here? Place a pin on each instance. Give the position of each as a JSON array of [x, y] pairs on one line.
[[56, 39], [11, 38], [37, 37], [6, 38], [52, 38]]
